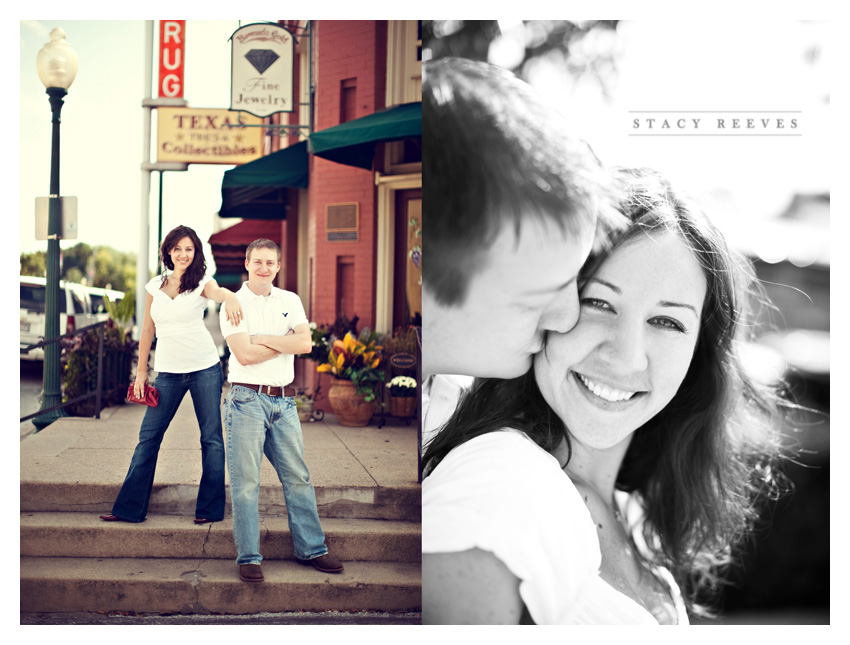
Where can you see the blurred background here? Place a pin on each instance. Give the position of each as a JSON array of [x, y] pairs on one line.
[[768, 192]]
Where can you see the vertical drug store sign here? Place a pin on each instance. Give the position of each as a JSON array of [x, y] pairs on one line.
[[172, 56]]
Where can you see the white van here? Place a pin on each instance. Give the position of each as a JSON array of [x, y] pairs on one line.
[[75, 311]]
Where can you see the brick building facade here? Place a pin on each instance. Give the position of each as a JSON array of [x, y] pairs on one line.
[[349, 237]]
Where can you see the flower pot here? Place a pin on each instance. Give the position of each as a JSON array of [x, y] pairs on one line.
[[348, 406], [402, 406], [305, 410]]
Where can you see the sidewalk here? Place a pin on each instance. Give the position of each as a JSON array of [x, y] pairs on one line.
[[99, 450], [346, 464]]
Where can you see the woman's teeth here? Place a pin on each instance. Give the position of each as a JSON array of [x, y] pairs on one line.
[[605, 392]]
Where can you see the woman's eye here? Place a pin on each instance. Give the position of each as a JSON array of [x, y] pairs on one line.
[[668, 323], [595, 303]]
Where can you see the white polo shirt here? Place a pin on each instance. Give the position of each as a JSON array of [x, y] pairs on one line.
[[276, 314]]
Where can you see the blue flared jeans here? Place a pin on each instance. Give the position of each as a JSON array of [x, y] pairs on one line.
[[205, 387], [260, 424]]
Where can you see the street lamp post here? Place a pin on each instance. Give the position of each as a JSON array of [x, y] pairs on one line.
[[57, 67]]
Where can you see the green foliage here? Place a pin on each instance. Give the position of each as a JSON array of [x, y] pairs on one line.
[[357, 360], [368, 382], [116, 268], [75, 261], [321, 338], [79, 368], [325, 335], [302, 401], [121, 313], [112, 269], [73, 275], [80, 353], [34, 263]]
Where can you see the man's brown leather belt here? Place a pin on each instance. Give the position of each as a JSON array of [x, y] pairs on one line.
[[271, 390]]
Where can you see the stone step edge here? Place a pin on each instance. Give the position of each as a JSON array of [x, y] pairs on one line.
[[395, 502], [212, 586], [175, 522], [356, 493], [56, 534]]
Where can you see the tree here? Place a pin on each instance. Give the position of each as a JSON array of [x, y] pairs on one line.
[[110, 268], [74, 275], [76, 257], [114, 268], [34, 263]]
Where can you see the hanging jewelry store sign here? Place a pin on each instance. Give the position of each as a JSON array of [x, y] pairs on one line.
[[262, 69], [203, 135]]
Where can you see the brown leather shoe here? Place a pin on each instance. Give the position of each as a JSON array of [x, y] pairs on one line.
[[251, 573], [324, 563]]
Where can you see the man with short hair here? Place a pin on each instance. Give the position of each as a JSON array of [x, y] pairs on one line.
[[512, 204], [260, 415]]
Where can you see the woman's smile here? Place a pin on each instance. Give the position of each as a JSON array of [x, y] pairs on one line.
[[601, 390]]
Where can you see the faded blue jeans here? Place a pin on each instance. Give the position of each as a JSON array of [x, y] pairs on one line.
[[205, 387], [260, 424]]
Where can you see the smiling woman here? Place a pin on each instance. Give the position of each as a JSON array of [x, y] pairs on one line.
[[632, 347], [608, 484], [186, 361]]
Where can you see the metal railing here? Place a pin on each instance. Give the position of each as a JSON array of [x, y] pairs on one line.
[[98, 393]]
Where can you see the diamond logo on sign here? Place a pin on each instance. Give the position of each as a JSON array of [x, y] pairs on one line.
[[261, 59]]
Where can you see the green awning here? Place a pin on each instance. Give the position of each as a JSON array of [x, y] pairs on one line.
[[258, 189], [353, 143]]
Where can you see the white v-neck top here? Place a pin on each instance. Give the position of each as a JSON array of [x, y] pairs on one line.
[[500, 492], [183, 342]]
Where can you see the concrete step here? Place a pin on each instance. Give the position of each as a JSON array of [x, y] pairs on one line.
[[400, 502], [85, 535], [368, 495], [174, 585]]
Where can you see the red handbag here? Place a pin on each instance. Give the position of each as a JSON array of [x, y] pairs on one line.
[[151, 396]]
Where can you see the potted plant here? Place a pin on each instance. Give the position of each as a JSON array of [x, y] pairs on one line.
[[79, 360], [120, 313], [304, 406], [356, 385], [320, 336], [323, 337], [402, 396]]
